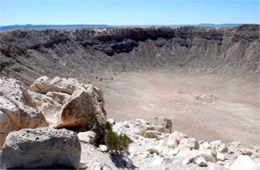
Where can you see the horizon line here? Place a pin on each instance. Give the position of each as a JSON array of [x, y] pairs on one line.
[[125, 24]]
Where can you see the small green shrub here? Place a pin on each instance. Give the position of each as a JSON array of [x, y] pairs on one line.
[[105, 135], [111, 140], [101, 130], [117, 143]]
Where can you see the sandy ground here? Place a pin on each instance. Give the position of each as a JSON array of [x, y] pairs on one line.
[[205, 107]]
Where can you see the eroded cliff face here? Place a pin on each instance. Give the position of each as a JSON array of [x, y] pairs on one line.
[[28, 54]]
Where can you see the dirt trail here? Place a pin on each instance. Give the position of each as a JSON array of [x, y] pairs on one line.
[[197, 106]]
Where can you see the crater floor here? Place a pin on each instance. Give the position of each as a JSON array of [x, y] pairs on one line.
[[208, 107]]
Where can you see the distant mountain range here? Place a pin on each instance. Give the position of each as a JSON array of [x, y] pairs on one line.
[[29, 26]]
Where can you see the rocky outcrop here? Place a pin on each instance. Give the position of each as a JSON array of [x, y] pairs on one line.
[[168, 150], [41, 148], [67, 102], [17, 109], [178, 151], [57, 102]]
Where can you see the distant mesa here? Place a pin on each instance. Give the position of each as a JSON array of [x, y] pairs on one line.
[[41, 27]]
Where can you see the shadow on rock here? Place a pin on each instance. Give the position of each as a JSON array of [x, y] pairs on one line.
[[121, 161]]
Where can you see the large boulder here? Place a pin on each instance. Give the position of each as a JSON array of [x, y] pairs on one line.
[[49, 105], [45, 84], [80, 104], [17, 109], [67, 102], [39, 148]]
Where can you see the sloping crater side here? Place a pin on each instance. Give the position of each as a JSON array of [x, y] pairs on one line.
[[28, 54]]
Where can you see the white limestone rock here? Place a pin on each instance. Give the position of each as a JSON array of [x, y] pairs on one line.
[[188, 143], [17, 109], [103, 148], [174, 139], [244, 163], [86, 137], [41, 147]]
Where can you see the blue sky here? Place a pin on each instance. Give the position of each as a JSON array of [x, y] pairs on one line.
[[128, 12]]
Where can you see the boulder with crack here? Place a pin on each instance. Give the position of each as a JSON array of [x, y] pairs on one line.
[[67, 102], [41, 148]]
